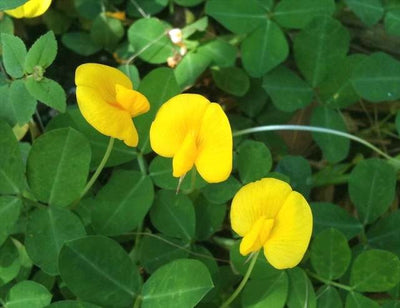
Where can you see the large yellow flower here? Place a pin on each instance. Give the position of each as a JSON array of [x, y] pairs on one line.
[[194, 132], [108, 102], [269, 214], [30, 9]]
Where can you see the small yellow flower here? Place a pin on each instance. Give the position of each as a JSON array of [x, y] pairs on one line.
[[30, 9], [194, 132], [269, 214], [120, 15], [108, 102]]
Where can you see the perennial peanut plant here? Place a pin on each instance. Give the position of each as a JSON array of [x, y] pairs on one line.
[[199, 153]]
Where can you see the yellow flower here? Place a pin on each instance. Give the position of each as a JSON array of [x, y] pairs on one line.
[[108, 102], [269, 214], [194, 132], [30, 9]]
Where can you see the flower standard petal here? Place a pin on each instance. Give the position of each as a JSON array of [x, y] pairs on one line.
[[179, 116], [257, 199], [103, 79], [214, 160], [30, 9], [291, 234], [107, 119]]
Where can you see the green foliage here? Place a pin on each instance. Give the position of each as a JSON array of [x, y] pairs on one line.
[[58, 159], [132, 235]]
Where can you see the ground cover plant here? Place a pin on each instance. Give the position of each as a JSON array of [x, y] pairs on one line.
[[191, 153]]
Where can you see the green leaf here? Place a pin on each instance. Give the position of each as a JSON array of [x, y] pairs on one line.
[[72, 304], [334, 148], [372, 197], [221, 192], [264, 49], [301, 292], [12, 179], [42, 53], [57, 21], [209, 217], [157, 250], [28, 294], [122, 203], [58, 166], [328, 215], [181, 283], [97, 269], [10, 208], [397, 122], [145, 6], [47, 230], [369, 11], [287, 90], [6, 25], [13, 53], [236, 15], [188, 2], [392, 22], [199, 25], [329, 297], [330, 254], [254, 100], [73, 118], [375, 271], [336, 91], [23, 104], [385, 234], [80, 42], [231, 80], [106, 31], [298, 170], [158, 86], [88, 9], [150, 40], [357, 300], [190, 68], [132, 72], [161, 173], [376, 78], [268, 292], [220, 52], [258, 166], [297, 14], [9, 262], [173, 215], [320, 45], [48, 92], [11, 4]]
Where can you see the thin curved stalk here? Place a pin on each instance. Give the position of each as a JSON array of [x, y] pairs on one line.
[[315, 129]]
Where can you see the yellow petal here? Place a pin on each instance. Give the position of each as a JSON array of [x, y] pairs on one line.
[[101, 78], [257, 199], [132, 101], [184, 158], [179, 116], [257, 236], [107, 119], [30, 9], [214, 160], [291, 233]]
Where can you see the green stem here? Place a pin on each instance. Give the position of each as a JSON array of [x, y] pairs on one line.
[[315, 129], [137, 302], [96, 173], [330, 282], [243, 282], [141, 163]]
